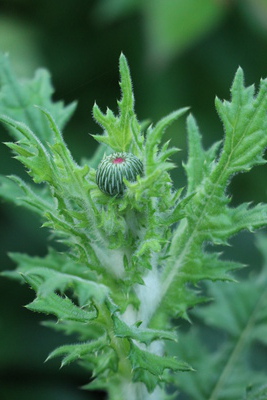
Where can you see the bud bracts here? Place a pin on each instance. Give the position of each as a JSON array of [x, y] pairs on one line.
[[113, 168]]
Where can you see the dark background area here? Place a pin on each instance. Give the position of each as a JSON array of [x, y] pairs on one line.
[[181, 53]]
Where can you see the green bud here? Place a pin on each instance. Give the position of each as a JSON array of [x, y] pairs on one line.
[[113, 168]]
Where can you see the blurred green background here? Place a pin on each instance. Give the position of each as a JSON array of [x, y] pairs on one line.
[[181, 53]]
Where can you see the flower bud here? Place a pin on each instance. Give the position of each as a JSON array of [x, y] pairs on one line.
[[113, 168]]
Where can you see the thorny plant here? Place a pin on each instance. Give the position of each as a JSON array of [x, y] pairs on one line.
[[136, 247]]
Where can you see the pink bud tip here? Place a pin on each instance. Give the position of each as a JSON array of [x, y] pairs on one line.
[[118, 160]]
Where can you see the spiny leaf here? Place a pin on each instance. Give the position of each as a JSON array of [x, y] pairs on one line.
[[208, 216], [53, 260], [54, 280], [245, 124], [200, 162], [77, 351], [18, 98], [62, 307], [37, 160], [154, 134], [122, 130], [146, 363], [146, 336]]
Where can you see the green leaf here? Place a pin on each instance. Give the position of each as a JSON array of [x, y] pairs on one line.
[[17, 191], [35, 157], [238, 317], [208, 217], [74, 352], [18, 98], [242, 309], [145, 363], [200, 162], [54, 280], [122, 130], [245, 124], [62, 307], [146, 336], [154, 137], [58, 272], [54, 260]]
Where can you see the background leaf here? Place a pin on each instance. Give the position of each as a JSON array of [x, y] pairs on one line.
[[18, 99], [236, 353]]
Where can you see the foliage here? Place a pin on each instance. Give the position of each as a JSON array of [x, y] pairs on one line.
[[131, 265], [234, 372]]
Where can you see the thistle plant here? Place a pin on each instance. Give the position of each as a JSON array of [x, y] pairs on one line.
[[135, 247]]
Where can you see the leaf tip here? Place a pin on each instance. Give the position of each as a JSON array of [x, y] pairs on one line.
[[123, 59]]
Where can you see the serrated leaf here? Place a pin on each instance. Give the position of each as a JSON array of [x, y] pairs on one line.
[[200, 162], [18, 98], [154, 134], [54, 280], [149, 368], [235, 314], [39, 164], [54, 260], [74, 352], [208, 215], [146, 377], [121, 131], [143, 335], [179, 210], [245, 124], [62, 307], [238, 306]]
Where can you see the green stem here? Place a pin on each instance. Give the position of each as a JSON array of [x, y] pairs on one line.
[[120, 346], [121, 384]]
